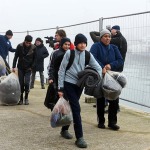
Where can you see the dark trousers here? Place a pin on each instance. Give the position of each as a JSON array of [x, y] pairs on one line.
[[33, 77], [112, 111], [118, 107], [24, 79], [72, 94]]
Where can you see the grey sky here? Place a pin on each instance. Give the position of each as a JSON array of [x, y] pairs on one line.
[[22, 15]]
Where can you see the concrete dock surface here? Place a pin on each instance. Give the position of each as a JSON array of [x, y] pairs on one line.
[[27, 127]]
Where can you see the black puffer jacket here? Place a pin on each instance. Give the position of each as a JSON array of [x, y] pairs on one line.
[[55, 62], [52, 93], [25, 56], [121, 43], [41, 53]]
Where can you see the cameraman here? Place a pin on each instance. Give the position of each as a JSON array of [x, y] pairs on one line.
[[58, 36], [55, 44]]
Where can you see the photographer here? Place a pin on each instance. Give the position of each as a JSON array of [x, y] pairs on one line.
[[55, 42]]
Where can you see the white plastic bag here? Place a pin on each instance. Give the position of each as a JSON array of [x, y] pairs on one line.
[[2, 67], [61, 114], [119, 77], [111, 88], [9, 89]]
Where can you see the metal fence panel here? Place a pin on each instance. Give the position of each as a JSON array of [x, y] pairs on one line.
[[136, 29]]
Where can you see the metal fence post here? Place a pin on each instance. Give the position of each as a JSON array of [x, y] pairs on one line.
[[100, 24], [57, 28]]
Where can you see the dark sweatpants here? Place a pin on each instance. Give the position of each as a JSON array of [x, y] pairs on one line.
[[24, 79], [112, 111], [72, 93], [33, 77]]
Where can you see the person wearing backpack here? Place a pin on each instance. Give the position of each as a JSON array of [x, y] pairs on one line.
[[55, 61], [67, 79]]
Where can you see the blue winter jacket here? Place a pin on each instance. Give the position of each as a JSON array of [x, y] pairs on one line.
[[107, 55], [5, 46]]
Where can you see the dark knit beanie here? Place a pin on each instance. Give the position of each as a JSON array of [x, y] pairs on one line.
[[39, 39], [63, 40], [80, 38], [28, 38], [116, 27], [9, 32]]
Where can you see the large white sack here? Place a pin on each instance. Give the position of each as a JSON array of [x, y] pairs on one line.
[[2, 67], [9, 89]]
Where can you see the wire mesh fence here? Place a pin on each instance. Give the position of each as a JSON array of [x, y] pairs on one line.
[[135, 28]]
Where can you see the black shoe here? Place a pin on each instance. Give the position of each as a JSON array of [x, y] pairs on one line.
[[31, 87], [43, 87], [114, 126], [94, 105], [101, 125], [118, 110], [66, 134], [20, 102], [26, 102], [81, 143]]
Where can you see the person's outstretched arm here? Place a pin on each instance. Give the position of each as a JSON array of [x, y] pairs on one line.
[[95, 36]]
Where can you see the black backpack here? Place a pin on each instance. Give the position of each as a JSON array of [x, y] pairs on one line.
[[72, 55]]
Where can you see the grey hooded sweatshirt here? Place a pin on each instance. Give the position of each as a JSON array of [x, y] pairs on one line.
[[71, 75]]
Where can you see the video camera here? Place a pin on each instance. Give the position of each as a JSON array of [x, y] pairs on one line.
[[50, 40]]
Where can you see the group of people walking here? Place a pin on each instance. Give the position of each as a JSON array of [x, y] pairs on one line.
[[103, 56], [63, 69], [28, 58]]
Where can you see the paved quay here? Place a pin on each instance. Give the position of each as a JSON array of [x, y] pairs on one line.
[[28, 128]]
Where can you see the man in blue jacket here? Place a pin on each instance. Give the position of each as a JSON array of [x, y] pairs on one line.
[[109, 58], [5, 46]]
